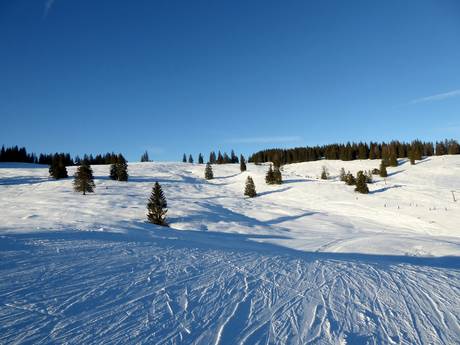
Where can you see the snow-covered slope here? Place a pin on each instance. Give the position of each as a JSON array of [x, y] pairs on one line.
[[309, 261]]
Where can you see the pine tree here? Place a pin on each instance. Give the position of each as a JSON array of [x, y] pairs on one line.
[[324, 173], [350, 179], [412, 156], [393, 161], [57, 168], [383, 170], [119, 169], [250, 188], [212, 157], [343, 175], [145, 157], [269, 177], [157, 206], [361, 185], [220, 158], [200, 159], [233, 157], [84, 181], [242, 163], [368, 175], [184, 158], [190, 159], [208, 174], [277, 177]]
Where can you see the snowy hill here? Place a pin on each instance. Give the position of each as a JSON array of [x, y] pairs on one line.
[[309, 261]]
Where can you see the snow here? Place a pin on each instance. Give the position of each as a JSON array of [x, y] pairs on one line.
[[309, 261]]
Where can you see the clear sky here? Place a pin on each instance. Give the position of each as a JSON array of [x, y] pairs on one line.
[[190, 76]]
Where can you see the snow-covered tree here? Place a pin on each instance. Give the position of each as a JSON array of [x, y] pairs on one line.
[[361, 185], [208, 173]]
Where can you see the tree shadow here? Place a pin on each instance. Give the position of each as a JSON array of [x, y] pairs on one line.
[[383, 189], [294, 181], [226, 177], [396, 172], [7, 181], [273, 191], [146, 233]]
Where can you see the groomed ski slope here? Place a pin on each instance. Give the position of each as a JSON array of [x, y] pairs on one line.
[[309, 261]]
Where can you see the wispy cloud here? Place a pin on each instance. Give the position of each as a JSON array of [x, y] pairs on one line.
[[48, 5], [264, 140], [437, 97]]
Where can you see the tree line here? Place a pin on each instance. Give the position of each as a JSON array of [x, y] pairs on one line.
[[20, 155], [353, 151]]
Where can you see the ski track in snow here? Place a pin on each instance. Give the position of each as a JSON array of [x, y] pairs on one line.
[[131, 282]]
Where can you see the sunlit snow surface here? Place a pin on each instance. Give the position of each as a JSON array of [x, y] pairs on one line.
[[309, 261]]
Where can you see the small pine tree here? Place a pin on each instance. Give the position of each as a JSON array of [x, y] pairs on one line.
[[190, 159], [208, 174], [368, 175], [156, 206], [393, 162], [250, 188], [242, 163], [200, 159], [270, 177], [84, 181], [184, 158], [324, 173], [350, 179], [145, 157], [57, 168], [383, 170], [119, 169], [277, 177], [343, 175], [412, 156], [361, 185]]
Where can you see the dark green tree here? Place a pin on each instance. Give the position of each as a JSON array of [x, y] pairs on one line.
[[270, 177], [393, 161], [190, 159], [242, 163], [184, 158], [250, 188], [157, 206], [361, 185], [208, 174], [383, 170], [119, 169], [277, 177], [84, 181], [350, 179], [200, 159], [145, 157], [57, 168]]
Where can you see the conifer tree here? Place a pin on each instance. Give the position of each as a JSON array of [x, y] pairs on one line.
[[350, 179], [269, 177], [324, 173], [119, 169], [361, 185], [343, 175], [184, 158], [57, 168], [190, 159], [145, 157], [277, 177], [412, 156], [383, 170], [393, 161], [242, 163], [220, 158], [208, 174], [84, 181], [250, 188], [212, 157], [368, 175], [157, 206], [200, 159]]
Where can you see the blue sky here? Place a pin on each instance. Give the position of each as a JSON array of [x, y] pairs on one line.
[[191, 76]]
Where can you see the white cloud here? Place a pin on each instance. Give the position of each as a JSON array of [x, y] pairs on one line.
[[437, 97], [263, 140]]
